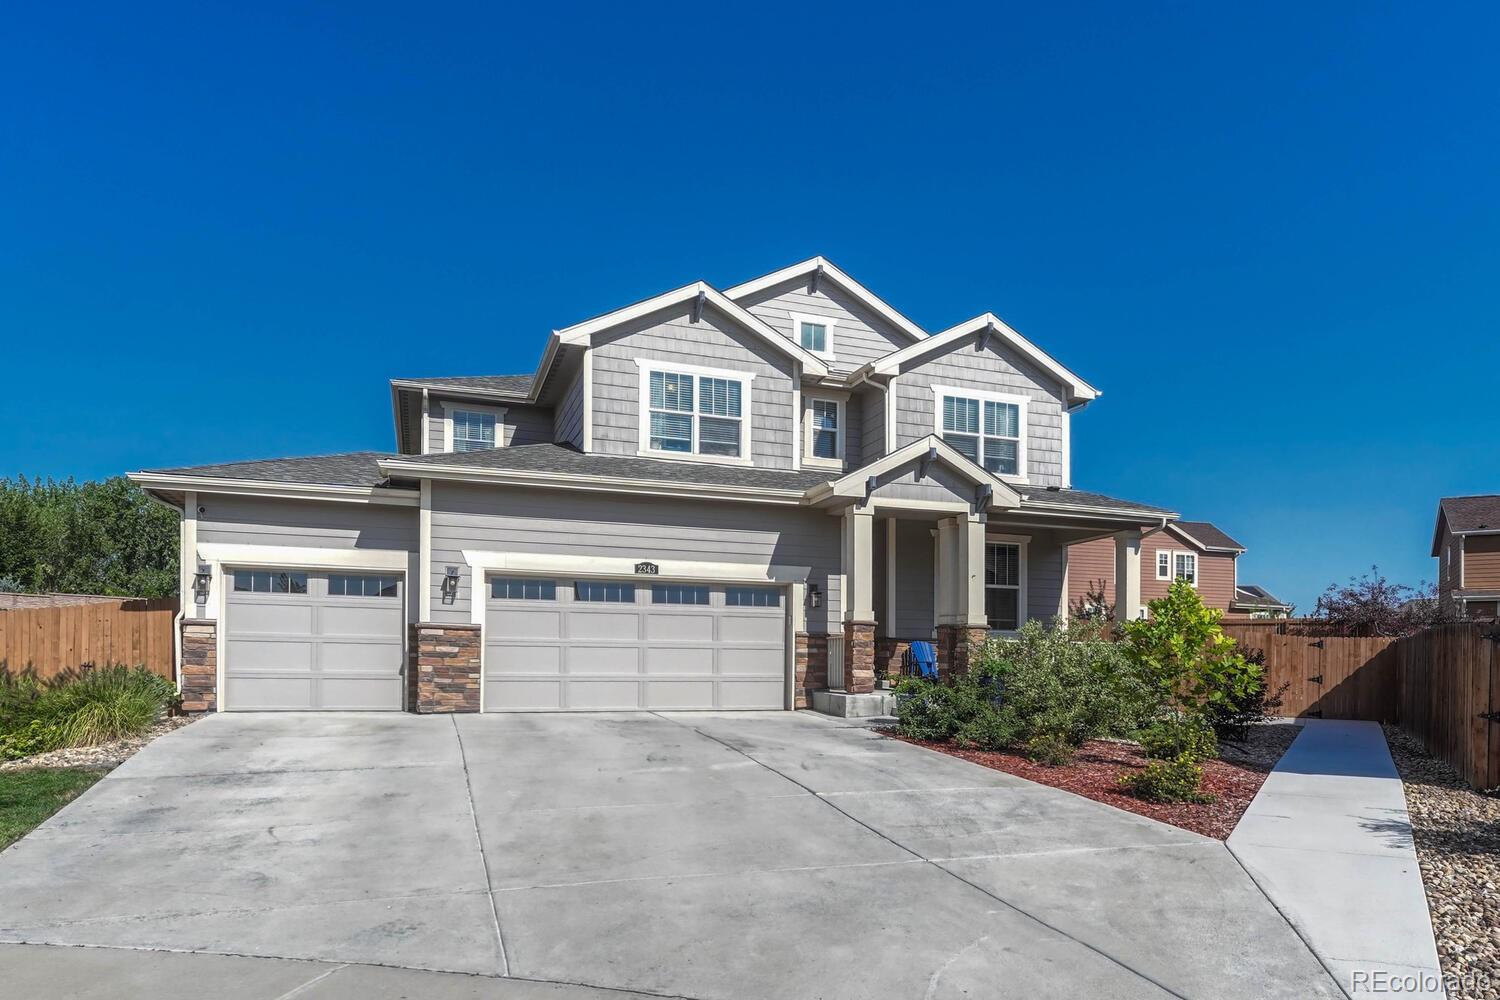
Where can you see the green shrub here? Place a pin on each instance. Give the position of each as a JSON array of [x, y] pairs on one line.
[[1176, 780], [1177, 735], [1234, 715], [1049, 749], [79, 710], [1063, 681], [1184, 654]]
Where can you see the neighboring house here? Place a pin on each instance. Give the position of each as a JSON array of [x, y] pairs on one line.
[[1466, 543], [1195, 551], [1251, 601], [708, 499]]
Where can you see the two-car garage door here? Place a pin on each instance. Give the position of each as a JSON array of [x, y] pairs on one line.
[[298, 639], [600, 645]]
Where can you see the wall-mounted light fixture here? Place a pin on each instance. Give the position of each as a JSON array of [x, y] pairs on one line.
[[450, 583], [814, 596], [201, 581]]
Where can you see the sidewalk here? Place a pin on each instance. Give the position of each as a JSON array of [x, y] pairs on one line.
[[1329, 841]]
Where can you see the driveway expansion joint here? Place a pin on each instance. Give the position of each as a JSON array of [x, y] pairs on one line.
[[489, 885]]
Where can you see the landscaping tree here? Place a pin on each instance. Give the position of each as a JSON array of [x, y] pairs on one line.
[[1372, 605], [104, 537]]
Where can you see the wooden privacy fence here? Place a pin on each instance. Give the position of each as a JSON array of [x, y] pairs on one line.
[[51, 641], [1441, 686]]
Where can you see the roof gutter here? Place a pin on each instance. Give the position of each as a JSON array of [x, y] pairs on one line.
[[596, 484]]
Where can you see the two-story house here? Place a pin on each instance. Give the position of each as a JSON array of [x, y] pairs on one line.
[[1466, 544], [710, 499]]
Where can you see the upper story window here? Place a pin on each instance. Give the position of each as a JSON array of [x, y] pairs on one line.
[[472, 428], [700, 412], [825, 431], [814, 333], [1177, 565], [989, 428]]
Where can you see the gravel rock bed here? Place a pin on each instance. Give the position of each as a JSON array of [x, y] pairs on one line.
[[1457, 833], [106, 755]]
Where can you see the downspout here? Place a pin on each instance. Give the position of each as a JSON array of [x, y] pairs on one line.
[[885, 392]]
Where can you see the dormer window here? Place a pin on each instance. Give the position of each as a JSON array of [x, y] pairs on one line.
[[694, 412], [469, 427], [988, 428], [814, 333]]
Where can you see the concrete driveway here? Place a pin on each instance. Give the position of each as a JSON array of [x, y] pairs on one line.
[[705, 856]]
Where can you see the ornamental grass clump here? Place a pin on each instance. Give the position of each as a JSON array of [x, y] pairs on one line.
[[79, 710]]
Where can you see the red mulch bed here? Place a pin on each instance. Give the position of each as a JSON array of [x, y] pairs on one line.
[[1095, 771]]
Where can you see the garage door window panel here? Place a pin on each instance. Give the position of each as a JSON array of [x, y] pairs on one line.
[[269, 582], [523, 590], [603, 592], [669, 593], [752, 597]]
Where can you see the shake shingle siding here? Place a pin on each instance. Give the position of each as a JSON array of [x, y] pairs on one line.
[[713, 342], [872, 436], [521, 424], [569, 422], [859, 336], [996, 370], [635, 528]]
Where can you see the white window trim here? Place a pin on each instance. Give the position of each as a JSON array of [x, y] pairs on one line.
[[450, 408], [1172, 566], [1021, 542], [1020, 402], [643, 444], [799, 318], [809, 459]]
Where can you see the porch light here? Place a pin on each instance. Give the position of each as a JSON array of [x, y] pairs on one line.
[[450, 581], [814, 596], [201, 580]]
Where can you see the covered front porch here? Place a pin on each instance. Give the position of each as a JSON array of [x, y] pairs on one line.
[[936, 549]]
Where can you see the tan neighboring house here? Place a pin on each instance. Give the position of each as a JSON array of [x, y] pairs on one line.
[[1466, 544], [1195, 551]]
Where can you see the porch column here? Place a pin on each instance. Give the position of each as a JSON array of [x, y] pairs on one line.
[[1127, 575], [963, 624], [970, 549], [947, 596], [859, 600]]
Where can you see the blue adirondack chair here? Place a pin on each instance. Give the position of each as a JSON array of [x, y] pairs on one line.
[[921, 661]]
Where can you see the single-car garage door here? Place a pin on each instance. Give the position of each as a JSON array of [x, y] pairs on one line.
[[299, 640], [604, 645]]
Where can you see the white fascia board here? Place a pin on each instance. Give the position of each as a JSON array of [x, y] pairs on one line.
[[853, 484], [1076, 387], [302, 557], [832, 273], [1115, 513], [286, 491], [583, 333], [593, 484], [537, 563], [461, 392]]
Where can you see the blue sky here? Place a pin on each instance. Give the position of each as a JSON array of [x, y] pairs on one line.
[[1269, 234]]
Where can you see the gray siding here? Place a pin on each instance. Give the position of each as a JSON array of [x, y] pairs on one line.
[[713, 342], [872, 432], [520, 425], [997, 369], [854, 428], [326, 525], [860, 335], [940, 485], [915, 580], [570, 413], [1046, 566], [578, 524]]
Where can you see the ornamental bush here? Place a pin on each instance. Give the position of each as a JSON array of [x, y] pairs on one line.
[[78, 710], [1174, 736], [1184, 655], [1176, 780]]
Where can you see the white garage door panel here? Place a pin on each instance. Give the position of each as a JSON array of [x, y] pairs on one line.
[[556, 652], [318, 649]]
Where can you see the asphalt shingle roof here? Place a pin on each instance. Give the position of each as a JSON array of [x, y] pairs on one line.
[[518, 384], [1250, 594], [1084, 498], [1209, 535], [356, 468], [1472, 513]]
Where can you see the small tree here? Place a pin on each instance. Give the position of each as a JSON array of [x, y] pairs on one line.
[[1094, 605], [1183, 651], [1372, 605]]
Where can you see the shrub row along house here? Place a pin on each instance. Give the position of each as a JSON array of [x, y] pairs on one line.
[[708, 499], [1194, 551], [1466, 544]]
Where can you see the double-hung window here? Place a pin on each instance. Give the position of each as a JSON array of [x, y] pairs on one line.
[[825, 430], [986, 427], [473, 429], [695, 412], [1177, 565], [1004, 585]]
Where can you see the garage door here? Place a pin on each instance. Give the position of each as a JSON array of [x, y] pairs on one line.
[[295, 640], [604, 645]]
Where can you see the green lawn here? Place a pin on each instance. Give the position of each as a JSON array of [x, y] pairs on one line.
[[28, 797]]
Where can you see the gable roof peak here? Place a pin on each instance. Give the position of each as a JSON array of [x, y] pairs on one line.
[[818, 269]]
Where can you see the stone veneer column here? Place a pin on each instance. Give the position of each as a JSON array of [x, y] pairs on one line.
[[443, 669], [955, 647], [199, 684], [859, 657], [811, 668]]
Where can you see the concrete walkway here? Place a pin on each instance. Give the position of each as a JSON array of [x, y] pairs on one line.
[[1329, 840]]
